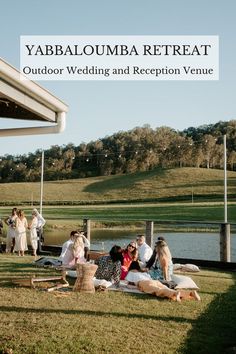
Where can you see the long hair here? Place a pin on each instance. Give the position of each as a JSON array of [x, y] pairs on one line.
[[163, 250], [116, 254], [134, 252], [14, 211], [78, 243], [20, 214]]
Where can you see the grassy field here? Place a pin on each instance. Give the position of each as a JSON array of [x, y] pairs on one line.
[[195, 195], [35, 321], [156, 185], [124, 213], [134, 215]]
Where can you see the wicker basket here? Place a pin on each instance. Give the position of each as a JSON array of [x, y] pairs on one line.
[[85, 274]]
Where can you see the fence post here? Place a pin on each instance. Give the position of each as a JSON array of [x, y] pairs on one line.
[[86, 228], [149, 233], [225, 242]]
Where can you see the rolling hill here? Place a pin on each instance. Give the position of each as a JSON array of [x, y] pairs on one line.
[[157, 185]]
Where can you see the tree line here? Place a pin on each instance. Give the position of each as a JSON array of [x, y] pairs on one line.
[[139, 149]]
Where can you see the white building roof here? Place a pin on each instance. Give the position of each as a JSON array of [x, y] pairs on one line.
[[23, 99]]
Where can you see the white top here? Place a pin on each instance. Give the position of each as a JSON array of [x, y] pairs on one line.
[[32, 227], [11, 232], [144, 253], [41, 221], [86, 242], [64, 248]]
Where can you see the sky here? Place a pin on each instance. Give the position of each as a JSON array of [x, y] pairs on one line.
[[102, 108]]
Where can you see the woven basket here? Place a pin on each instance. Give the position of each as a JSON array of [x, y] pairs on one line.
[[85, 274]]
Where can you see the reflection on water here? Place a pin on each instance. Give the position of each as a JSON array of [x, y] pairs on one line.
[[194, 245]]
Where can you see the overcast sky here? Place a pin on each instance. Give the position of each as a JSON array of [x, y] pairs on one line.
[[97, 109]]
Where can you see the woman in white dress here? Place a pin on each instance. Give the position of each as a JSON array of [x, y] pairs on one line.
[[33, 232], [21, 226]]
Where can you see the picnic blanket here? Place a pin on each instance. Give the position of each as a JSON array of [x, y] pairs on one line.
[[48, 261]]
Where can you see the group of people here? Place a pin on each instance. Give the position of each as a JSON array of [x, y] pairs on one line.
[[149, 269], [17, 226]]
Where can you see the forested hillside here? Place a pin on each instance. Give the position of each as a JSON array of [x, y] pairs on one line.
[[140, 149]]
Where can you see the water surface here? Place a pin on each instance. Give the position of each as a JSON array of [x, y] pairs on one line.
[[196, 245]]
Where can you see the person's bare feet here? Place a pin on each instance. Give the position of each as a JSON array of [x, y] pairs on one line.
[[178, 298]]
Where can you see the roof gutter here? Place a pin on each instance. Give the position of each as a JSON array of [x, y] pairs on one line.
[[58, 128], [34, 98]]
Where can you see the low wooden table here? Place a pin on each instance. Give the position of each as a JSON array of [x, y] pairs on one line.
[[92, 255]]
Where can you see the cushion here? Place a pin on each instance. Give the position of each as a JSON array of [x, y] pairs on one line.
[[101, 282], [135, 277], [186, 267], [183, 282], [190, 268]]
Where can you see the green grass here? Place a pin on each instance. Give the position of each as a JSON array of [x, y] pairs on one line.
[[156, 185], [34, 321], [173, 217], [134, 197], [203, 212]]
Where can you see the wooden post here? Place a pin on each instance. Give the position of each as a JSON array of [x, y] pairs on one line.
[[225, 242], [86, 228], [149, 233]]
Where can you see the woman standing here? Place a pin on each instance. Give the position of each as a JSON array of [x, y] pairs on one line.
[[11, 234], [33, 232], [21, 226]]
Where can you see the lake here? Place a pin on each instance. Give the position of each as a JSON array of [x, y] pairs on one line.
[[196, 245]]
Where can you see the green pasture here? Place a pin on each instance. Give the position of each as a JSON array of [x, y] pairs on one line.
[[159, 185], [203, 212], [35, 321], [168, 216], [164, 195]]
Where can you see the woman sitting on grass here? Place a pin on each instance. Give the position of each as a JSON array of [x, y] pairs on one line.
[[155, 287], [160, 266], [161, 269], [130, 254], [74, 253], [109, 267]]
